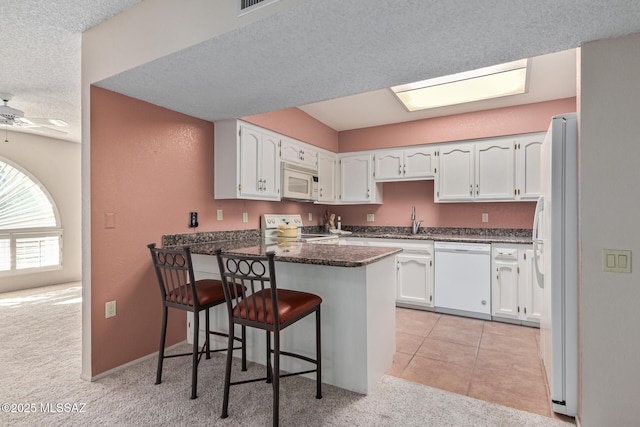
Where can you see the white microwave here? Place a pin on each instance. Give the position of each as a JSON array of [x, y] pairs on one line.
[[299, 183]]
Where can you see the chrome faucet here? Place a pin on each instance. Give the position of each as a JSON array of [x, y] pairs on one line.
[[415, 225]]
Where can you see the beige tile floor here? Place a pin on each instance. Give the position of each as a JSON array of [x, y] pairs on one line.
[[491, 361]]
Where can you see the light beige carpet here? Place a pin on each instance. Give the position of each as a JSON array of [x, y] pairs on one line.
[[40, 372]]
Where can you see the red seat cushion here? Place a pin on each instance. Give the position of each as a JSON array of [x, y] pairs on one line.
[[290, 304], [209, 291]]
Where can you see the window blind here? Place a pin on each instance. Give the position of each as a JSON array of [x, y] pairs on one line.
[[30, 237]]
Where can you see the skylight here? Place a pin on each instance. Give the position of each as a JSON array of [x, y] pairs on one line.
[[484, 83]]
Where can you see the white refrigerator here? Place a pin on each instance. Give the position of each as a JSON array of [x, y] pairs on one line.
[[555, 240]]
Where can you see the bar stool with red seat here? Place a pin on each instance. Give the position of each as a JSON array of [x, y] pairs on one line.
[[261, 305], [174, 270]]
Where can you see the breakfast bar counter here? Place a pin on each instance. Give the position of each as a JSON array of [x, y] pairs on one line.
[[357, 288]]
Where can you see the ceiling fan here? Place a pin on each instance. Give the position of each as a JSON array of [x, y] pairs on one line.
[[10, 116]]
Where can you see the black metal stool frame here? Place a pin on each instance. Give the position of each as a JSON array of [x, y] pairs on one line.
[[174, 268], [245, 270]]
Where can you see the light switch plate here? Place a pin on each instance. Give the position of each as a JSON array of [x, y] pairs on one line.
[[109, 309], [310, 216], [220, 216], [616, 261], [370, 217], [485, 217], [109, 220], [245, 217]]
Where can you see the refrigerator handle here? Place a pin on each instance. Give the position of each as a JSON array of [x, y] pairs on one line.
[[537, 242]]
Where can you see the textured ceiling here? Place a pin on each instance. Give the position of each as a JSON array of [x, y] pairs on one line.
[[318, 50], [323, 49], [40, 54]]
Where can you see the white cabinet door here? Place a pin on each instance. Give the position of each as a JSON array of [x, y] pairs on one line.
[[250, 180], [455, 180], [247, 162], [388, 165], [355, 174], [404, 165], [269, 166], [414, 270], [528, 166], [505, 282], [326, 177], [297, 152], [355, 178], [495, 170], [414, 279], [532, 298], [419, 163], [516, 296], [259, 165]]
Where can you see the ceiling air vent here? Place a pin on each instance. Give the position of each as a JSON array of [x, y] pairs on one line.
[[247, 6]]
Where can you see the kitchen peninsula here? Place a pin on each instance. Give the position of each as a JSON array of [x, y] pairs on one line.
[[356, 285]]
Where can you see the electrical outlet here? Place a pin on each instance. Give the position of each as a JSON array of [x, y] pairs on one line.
[[371, 217], [310, 216], [109, 309], [245, 217], [485, 217], [220, 216]]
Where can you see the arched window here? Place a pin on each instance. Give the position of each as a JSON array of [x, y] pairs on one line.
[[30, 233]]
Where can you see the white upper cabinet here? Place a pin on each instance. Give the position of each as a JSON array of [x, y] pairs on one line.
[[490, 170], [297, 152], [495, 170], [327, 162], [388, 165], [247, 162], [355, 173], [455, 180], [404, 165], [528, 166]]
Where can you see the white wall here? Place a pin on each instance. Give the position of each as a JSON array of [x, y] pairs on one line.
[[610, 218], [56, 164]]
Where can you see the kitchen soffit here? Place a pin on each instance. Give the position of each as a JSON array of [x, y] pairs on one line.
[[326, 49]]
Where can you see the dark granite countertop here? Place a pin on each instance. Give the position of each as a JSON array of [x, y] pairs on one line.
[[441, 234], [297, 252], [317, 254], [445, 237], [248, 242]]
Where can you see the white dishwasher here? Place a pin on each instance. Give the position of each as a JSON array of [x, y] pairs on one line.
[[463, 279]]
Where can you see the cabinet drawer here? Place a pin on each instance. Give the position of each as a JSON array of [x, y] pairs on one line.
[[505, 254]]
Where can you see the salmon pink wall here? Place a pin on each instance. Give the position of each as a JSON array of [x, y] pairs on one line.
[[297, 124], [479, 124], [399, 197], [150, 167]]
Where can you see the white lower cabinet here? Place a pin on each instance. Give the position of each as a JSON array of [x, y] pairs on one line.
[[414, 269], [414, 278], [515, 295]]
